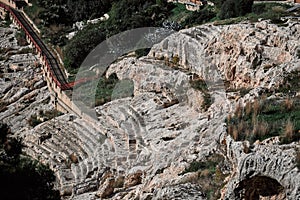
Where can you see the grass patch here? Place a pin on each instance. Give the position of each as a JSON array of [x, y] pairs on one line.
[[262, 119]]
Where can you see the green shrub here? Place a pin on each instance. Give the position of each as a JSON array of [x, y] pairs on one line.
[[200, 84], [235, 8], [21, 38], [142, 52], [199, 17], [35, 119], [105, 89], [210, 175]]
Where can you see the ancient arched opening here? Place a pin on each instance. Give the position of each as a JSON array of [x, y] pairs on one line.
[[260, 188]]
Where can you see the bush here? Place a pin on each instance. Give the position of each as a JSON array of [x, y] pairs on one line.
[[210, 175], [35, 119], [200, 84], [142, 52], [21, 38]]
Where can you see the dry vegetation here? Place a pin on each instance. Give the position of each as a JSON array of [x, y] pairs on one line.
[[210, 175], [264, 118], [42, 116]]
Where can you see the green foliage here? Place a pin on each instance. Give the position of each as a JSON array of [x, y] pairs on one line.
[[34, 11], [200, 17], [271, 11], [81, 45], [211, 164], [235, 8], [210, 175], [21, 38], [104, 89], [142, 52], [35, 119], [124, 15], [179, 13], [266, 118], [23, 178], [228, 10], [7, 20], [67, 12], [20, 176], [200, 84]]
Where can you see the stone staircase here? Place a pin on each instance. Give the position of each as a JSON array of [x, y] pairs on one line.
[[69, 147], [77, 152]]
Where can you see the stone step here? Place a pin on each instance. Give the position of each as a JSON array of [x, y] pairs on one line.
[[76, 172], [69, 147], [66, 134], [65, 177], [55, 146], [43, 154], [88, 143]]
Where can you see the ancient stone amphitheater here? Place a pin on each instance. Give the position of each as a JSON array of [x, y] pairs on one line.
[[141, 145]]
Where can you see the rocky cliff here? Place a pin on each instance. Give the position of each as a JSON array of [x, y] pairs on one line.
[[169, 140]]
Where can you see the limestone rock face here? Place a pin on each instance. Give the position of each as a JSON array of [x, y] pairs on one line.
[[247, 55], [269, 164], [133, 179], [184, 191], [106, 189], [23, 91]]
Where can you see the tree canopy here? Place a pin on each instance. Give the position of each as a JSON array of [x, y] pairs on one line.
[[20, 176]]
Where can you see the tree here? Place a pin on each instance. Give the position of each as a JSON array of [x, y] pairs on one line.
[[228, 9], [199, 17], [235, 8], [4, 131], [20, 176]]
